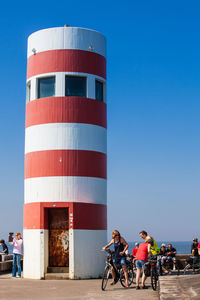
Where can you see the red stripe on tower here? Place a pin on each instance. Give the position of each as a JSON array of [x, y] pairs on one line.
[[66, 110], [85, 215], [66, 61], [65, 163]]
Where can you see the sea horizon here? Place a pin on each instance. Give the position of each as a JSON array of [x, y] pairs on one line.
[[182, 247]]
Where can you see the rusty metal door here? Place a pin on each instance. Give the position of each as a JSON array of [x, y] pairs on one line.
[[58, 219]]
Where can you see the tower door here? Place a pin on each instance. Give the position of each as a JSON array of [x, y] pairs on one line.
[[58, 237]]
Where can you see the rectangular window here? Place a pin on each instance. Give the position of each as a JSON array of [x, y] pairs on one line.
[[98, 90], [75, 86], [46, 87], [28, 92]]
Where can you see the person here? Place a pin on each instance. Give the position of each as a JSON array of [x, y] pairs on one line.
[[163, 254], [155, 250], [120, 247], [17, 251], [171, 255], [194, 248], [194, 253], [140, 259], [135, 250], [199, 249], [4, 246]]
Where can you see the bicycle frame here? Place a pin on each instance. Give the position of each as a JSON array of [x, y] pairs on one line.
[[110, 264]]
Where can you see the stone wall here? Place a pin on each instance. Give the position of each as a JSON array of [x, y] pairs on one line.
[[6, 262]]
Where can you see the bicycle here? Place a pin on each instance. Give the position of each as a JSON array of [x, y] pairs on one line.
[[119, 274], [172, 266], [194, 264], [153, 273]]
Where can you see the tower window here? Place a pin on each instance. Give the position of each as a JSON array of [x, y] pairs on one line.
[[75, 86], [98, 90], [46, 87], [28, 92]]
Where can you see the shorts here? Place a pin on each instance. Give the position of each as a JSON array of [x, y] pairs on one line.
[[121, 261], [140, 264]]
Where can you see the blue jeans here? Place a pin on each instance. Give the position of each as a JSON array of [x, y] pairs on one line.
[[16, 263], [120, 260], [140, 263]]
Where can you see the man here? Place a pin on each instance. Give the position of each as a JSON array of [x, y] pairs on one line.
[[135, 250], [194, 248], [155, 250], [171, 255]]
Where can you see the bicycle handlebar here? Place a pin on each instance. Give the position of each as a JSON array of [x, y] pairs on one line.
[[108, 251]]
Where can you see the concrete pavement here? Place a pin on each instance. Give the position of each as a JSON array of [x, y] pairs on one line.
[[19, 289], [184, 287]]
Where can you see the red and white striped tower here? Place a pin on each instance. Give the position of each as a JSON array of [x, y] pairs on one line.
[[65, 148]]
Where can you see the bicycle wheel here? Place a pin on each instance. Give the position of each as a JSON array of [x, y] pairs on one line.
[[130, 277], [154, 279], [106, 276]]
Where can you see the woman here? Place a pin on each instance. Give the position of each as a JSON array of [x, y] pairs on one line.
[[163, 254], [17, 251], [141, 258], [120, 246]]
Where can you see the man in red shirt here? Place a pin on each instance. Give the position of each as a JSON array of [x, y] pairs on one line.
[[135, 250], [199, 248]]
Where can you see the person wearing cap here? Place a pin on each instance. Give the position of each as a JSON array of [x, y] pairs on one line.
[[135, 250], [194, 251], [194, 248]]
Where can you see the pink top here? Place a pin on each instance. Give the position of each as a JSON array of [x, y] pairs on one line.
[[142, 253], [17, 246]]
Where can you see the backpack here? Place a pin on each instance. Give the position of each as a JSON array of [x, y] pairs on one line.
[[147, 269]]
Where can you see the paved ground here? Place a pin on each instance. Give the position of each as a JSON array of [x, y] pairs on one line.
[[184, 287], [13, 288]]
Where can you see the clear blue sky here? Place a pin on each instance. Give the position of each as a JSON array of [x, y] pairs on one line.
[[153, 90]]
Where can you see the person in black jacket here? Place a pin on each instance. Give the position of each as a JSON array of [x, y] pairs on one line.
[[4, 246], [194, 247], [171, 255]]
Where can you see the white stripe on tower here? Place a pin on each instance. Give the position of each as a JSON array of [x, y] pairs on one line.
[[67, 38], [65, 136], [53, 189]]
